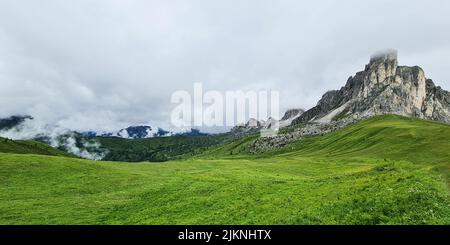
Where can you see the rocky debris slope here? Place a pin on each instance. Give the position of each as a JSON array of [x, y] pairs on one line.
[[264, 144]]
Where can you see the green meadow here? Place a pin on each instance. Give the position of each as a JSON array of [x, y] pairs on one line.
[[385, 170]]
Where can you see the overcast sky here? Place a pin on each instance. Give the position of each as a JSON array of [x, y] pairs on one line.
[[103, 65]]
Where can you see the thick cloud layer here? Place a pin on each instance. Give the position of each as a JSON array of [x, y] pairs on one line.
[[108, 64]]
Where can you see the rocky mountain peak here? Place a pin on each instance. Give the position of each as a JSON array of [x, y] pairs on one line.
[[253, 123], [384, 56], [382, 66], [271, 123], [383, 87]]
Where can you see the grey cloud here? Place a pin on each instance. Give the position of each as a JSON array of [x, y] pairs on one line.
[[103, 65]]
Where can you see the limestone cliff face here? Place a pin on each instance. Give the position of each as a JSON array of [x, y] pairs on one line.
[[383, 87]]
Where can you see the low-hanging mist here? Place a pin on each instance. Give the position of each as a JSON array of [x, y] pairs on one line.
[[56, 136]]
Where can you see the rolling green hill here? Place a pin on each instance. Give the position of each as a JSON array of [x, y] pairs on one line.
[[385, 170], [160, 149], [28, 147]]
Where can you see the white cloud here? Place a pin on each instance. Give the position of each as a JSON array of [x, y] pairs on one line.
[[55, 136], [104, 65]]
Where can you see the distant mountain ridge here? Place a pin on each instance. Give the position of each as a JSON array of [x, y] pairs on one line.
[[138, 132], [144, 132], [132, 132]]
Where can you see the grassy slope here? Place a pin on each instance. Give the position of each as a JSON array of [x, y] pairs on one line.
[[28, 147], [390, 137], [384, 170]]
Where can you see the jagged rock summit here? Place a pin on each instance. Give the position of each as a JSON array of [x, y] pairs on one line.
[[253, 124], [383, 87]]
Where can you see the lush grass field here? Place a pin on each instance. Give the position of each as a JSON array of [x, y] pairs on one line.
[[386, 170]]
